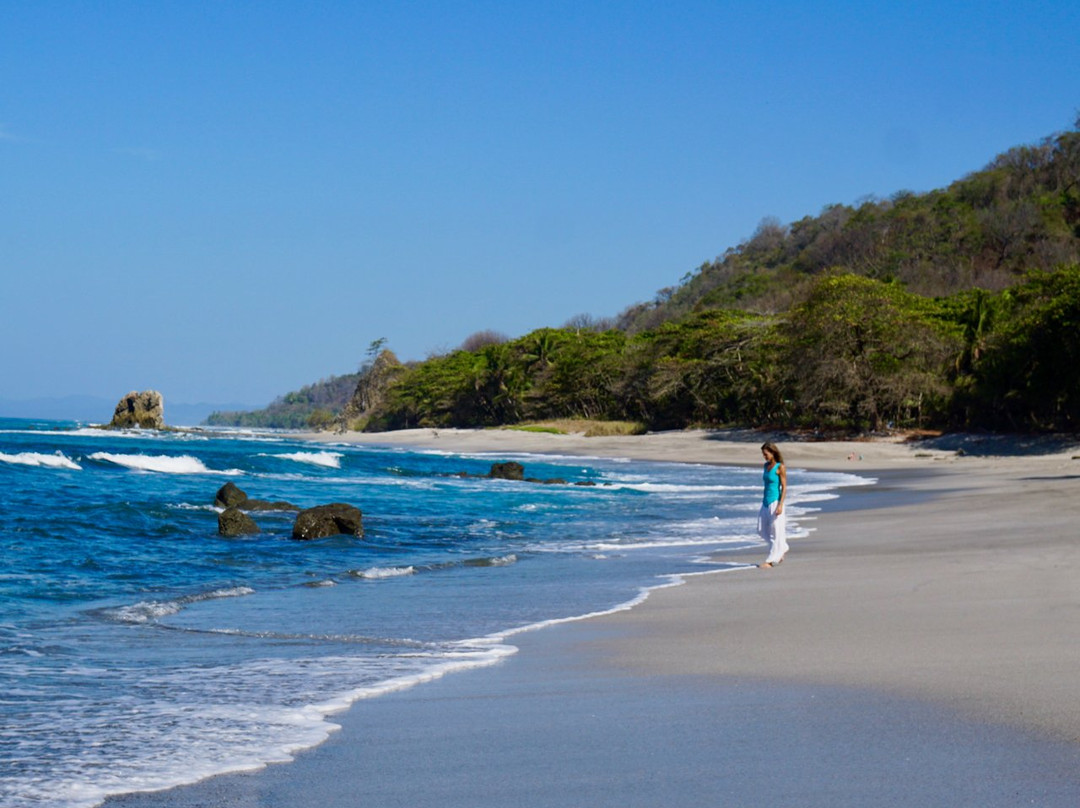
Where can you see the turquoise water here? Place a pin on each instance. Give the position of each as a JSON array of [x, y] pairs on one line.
[[139, 649]]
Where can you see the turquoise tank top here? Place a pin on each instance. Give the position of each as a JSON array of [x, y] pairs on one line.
[[771, 478]]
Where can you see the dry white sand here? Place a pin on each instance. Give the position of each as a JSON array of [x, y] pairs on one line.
[[920, 647]]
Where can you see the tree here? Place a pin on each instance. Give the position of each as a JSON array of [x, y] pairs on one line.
[[481, 339], [1029, 375], [862, 353]]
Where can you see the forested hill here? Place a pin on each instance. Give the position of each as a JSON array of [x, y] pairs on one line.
[[1020, 213], [313, 406], [956, 308]]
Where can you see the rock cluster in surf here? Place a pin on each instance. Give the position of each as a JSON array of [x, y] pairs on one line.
[[334, 519]]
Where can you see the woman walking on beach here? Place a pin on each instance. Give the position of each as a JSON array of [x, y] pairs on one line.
[[772, 522]]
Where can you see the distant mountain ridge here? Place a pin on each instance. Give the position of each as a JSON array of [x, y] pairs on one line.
[[312, 406]]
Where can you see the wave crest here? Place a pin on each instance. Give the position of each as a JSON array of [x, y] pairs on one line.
[[147, 611], [56, 461], [165, 464], [385, 572], [330, 460]]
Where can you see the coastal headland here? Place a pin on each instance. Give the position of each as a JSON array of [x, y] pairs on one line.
[[921, 646]]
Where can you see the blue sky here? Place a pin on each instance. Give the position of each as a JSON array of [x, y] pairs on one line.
[[228, 200]]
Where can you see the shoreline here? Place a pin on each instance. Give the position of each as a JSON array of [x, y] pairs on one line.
[[945, 594]]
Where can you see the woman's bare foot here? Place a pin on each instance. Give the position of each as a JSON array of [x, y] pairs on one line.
[[764, 566]]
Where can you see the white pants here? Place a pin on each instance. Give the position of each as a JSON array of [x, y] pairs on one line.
[[773, 529]]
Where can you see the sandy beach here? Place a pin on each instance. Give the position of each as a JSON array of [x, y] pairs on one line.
[[921, 646]]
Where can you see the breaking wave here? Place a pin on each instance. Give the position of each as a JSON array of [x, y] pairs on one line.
[[165, 464], [56, 461]]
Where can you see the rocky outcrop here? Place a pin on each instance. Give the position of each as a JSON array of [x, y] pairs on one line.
[[507, 471], [145, 410], [234, 522], [371, 388], [334, 519], [229, 496], [232, 496]]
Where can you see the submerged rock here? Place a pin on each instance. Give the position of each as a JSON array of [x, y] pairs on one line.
[[334, 519], [264, 505], [234, 522], [145, 410]]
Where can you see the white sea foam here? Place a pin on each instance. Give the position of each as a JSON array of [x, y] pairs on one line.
[[676, 488], [99, 432], [331, 460], [385, 572], [538, 507], [57, 461], [166, 464], [144, 611], [355, 482], [659, 543], [148, 611], [227, 592], [212, 731]]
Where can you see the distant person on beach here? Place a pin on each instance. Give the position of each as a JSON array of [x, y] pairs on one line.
[[772, 521]]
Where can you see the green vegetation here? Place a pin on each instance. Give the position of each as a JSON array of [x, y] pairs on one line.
[[958, 308], [1020, 213], [312, 407], [1027, 374]]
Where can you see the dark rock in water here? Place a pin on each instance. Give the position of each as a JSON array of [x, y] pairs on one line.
[[145, 410], [229, 495], [511, 471], [263, 505], [588, 483], [232, 496], [507, 471], [328, 520], [234, 522]]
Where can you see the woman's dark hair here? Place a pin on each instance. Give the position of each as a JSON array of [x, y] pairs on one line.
[[774, 450]]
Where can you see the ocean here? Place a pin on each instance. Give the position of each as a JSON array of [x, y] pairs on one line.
[[139, 649]]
